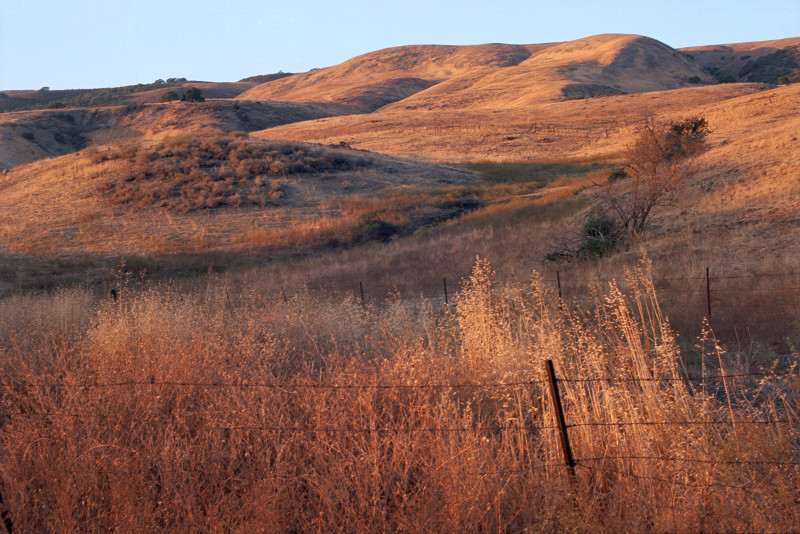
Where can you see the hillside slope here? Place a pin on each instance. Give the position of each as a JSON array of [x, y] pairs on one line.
[[373, 80], [759, 61], [194, 192], [27, 136], [608, 64], [494, 75]]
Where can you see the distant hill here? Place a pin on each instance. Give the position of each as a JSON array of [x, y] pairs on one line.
[[493, 75], [445, 95], [760, 61], [373, 80], [46, 98]]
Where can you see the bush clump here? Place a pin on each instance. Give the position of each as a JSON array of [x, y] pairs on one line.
[[185, 174], [368, 227], [193, 94], [169, 96], [600, 233]]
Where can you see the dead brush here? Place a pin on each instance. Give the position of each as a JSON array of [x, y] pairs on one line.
[[186, 175]]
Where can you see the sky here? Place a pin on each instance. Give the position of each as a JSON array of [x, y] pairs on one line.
[[71, 44]]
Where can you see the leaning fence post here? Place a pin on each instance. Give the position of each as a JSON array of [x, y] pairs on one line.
[[561, 425], [558, 280], [708, 293]]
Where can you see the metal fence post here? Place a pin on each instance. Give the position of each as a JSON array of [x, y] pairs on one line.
[[561, 424]]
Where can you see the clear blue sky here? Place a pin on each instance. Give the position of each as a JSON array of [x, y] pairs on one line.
[[67, 44]]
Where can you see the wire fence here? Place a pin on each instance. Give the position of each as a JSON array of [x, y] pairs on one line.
[[591, 469], [711, 290], [293, 387]]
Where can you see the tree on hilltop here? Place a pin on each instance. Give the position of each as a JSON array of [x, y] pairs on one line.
[[193, 94], [169, 96]]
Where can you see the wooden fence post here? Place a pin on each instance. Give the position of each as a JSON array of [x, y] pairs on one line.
[[444, 280], [561, 424], [558, 280], [361, 286], [708, 293]]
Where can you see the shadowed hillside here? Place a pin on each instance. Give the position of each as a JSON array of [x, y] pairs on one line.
[[760, 61], [27, 136]]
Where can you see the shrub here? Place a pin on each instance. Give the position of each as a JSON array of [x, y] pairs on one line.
[[368, 227], [169, 96], [193, 94], [599, 234]]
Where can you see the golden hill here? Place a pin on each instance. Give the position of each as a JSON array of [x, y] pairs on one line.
[[491, 75], [373, 80], [578, 128]]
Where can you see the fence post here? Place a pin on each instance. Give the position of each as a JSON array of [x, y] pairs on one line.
[[558, 280], [361, 286], [6, 517], [563, 437], [708, 293], [283, 292], [444, 280]]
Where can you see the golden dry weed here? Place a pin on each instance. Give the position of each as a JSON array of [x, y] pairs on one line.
[[209, 406]]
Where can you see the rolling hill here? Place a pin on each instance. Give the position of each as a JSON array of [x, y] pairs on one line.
[[416, 110]]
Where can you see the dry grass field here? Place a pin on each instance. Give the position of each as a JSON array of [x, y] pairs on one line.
[[331, 307]]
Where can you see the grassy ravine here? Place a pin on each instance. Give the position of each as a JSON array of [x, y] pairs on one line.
[[213, 408]]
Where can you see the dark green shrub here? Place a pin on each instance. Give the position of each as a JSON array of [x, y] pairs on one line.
[[694, 79], [368, 227], [240, 113], [169, 96], [617, 174], [599, 234], [193, 94]]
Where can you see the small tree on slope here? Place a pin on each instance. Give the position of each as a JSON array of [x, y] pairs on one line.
[[658, 168]]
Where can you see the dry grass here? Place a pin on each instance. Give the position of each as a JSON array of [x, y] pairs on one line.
[[294, 442], [199, 192]]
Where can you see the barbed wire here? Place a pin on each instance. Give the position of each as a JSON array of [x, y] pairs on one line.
[[684, 423], [691, 460], [288, 386], [664, 480]]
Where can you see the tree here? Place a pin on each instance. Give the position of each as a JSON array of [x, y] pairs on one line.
[[658, 168], [169, 96], [193, 94]]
